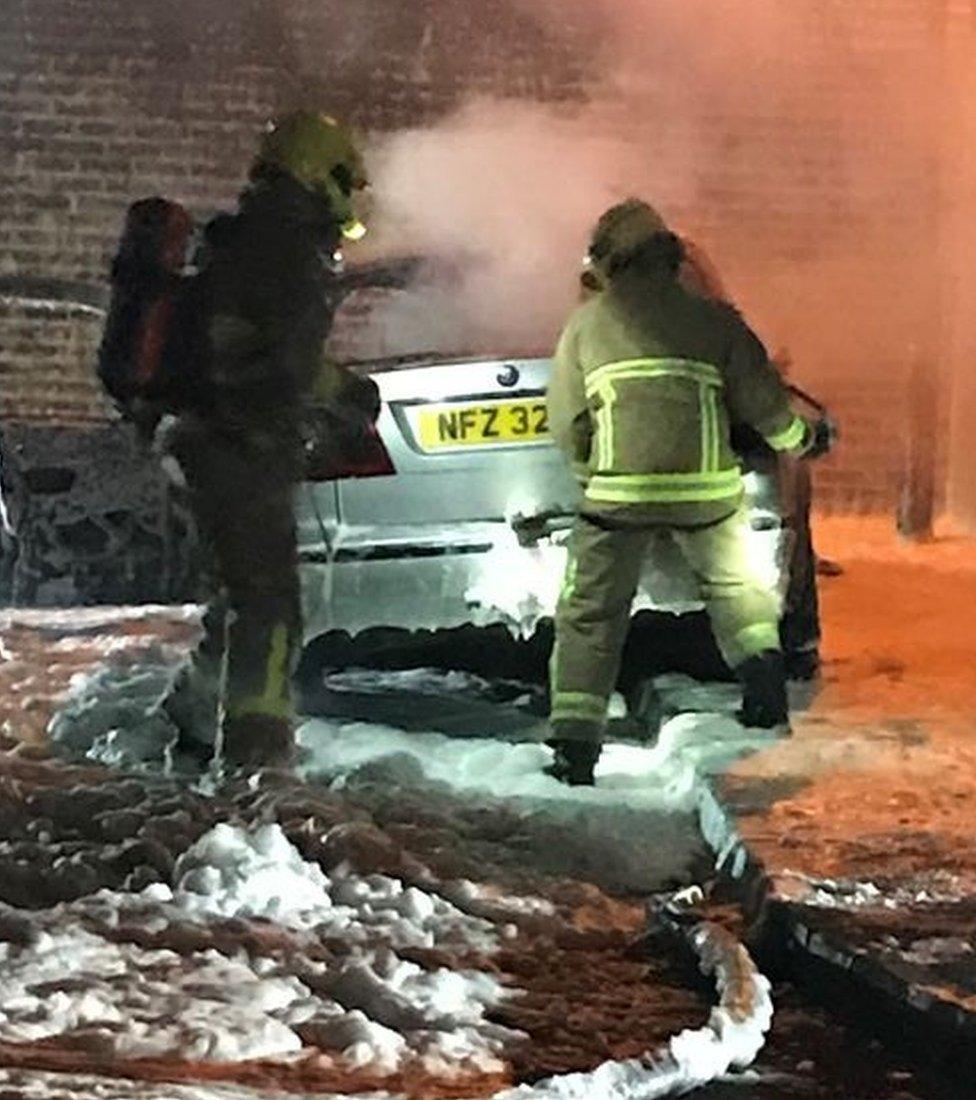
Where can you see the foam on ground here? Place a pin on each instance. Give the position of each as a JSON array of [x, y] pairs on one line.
[[60, 975], [93, 618], [626, 774], [109, 714], [734, 1035], [370, 1007], [563, 831]]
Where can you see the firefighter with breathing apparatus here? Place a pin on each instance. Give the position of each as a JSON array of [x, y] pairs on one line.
[[262, 297]]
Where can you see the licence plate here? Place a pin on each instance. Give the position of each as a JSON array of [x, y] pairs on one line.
[[483, 424]]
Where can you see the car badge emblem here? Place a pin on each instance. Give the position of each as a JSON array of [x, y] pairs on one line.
[[508, 376]]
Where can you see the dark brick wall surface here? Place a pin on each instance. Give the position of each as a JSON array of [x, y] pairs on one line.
[[46, 358]]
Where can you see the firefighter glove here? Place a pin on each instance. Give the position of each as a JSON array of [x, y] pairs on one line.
[[824, 436]]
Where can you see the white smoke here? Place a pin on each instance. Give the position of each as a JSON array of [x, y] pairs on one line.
[[686, 109], [503, 195]]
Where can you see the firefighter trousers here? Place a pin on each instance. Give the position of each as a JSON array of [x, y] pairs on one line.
[[593, 612], [240, 493]]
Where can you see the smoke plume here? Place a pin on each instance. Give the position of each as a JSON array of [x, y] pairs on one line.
[[770, 133]]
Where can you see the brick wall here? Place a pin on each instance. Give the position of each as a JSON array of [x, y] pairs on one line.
[[105, 100], [46, 362]]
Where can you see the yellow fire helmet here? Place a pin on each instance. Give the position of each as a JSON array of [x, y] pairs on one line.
[[319, 152], [620, 231]]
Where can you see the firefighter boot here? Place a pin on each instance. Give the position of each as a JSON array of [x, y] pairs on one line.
[[764, 700], [257, 741], [802, 664], [573, 761]]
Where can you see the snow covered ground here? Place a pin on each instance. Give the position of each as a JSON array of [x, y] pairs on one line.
[[641, 791], [276, 945], [66, 971], [38, 1085]]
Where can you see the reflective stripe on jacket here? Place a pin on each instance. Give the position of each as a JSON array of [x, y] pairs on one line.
[[645, 385]]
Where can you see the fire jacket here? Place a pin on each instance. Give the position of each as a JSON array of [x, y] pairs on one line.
[[267, 298], [646, 382]]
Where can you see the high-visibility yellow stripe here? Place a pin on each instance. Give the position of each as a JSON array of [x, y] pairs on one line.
[[274, 699], [604, 428], [704, 427], [569, 577], [715, 435], [554, 664], [790, 438], [757, 637], [664, 488], [732, 476], [566, 592], [627, 375], [602, 433], [691, 369], [610, 397], [601, 436], [579, 705], [709, 427], [632, 495]]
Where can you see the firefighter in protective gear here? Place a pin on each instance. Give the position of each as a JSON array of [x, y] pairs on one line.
[[264, 286], [647, 379]]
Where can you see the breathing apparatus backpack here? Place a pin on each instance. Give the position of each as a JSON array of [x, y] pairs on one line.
[[151, 354]]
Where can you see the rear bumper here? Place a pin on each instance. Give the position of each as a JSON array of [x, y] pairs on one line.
[[422, 593], [483, 579]]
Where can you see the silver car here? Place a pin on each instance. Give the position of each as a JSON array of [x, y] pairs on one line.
[[457, 510]]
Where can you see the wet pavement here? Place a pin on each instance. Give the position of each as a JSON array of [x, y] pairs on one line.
[[855, 837]]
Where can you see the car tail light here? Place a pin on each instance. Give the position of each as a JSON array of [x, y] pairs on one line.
[[368, 458], [345, 452]]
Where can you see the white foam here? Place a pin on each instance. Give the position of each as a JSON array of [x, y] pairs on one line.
[[521, 585], [109, 714], [418, 681], [627, 775], [371, 1006], [91, 618], [733, 1036], [571, 831], [230, 872], [140, 1003]]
